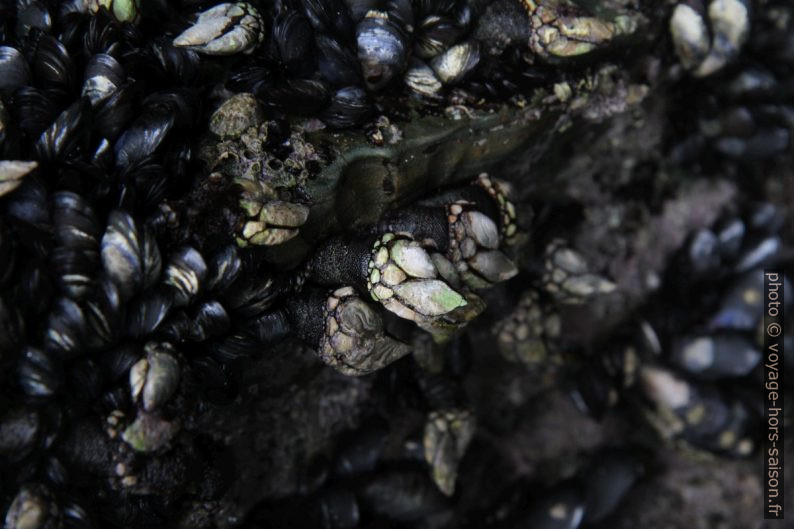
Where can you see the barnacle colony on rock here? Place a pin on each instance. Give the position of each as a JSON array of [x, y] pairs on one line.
[[377, 263]]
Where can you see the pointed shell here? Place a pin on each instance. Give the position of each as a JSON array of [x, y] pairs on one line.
[[730, 25], [12, 173], [482, 229], [412, 258], [493, 266], [586, 285], [430, 297], [690, 35]]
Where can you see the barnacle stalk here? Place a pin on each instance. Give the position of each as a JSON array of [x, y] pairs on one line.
[[394, 270], [460, 225], [500, 192], [347, 331]]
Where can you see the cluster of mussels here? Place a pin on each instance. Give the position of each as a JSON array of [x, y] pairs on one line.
[[186, 186], [691, 378]]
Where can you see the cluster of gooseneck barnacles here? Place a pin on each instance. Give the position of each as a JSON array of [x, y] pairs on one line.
[[422, 263], [189, 190]]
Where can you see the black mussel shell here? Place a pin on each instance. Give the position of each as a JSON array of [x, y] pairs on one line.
[[8, 255], [130, 255], [209, 320], [234, 347], [30, 210], [76, 255], [304, 97], [176, 63], [359, 8], [331, 16], [561, 508], [32, 15], [65, 133], [103, 34], [456, 63], [251, 296], [217, 386], [337, 63], [403, 12], [103, 76], [84, 380], [20, 428], [103, 312], [76, 225], [402, 495], [223, 269], [163, 64], [434, 35], [111, 115], [185, 274], [143, 136], [293, 40], [35, 110], [11, 327], [38, 374], [254, 79], [148, 312], [268, 329], [65, 328], [607, 481], [14, 70], [116, 363], [144, 186], [382, 50], [348, 107], [360, 450], [53, 65]]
